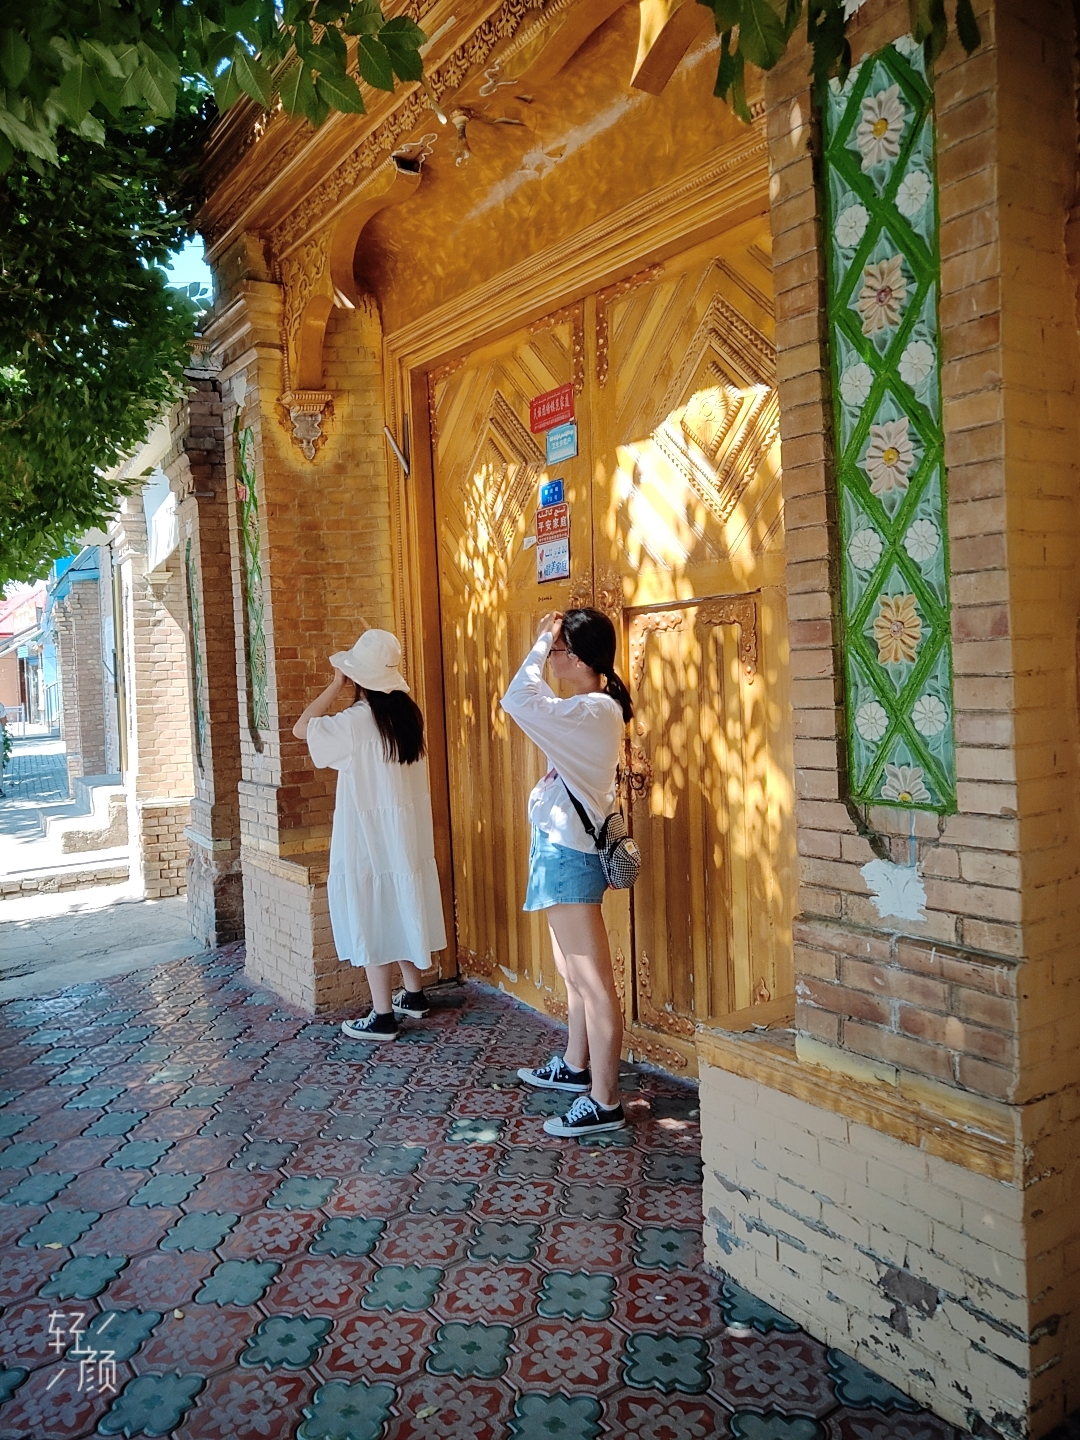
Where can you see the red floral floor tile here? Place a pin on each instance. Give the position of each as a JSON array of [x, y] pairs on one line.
[[572, 1245], [493, 1293], [271, 1235], [565, 1356], [160, 1281], [24, 1271], [611, 1167], [29, 1337], [460, 1162], [488, 1102], [319, 1285], [50, 1406], [238, 1191], [129, 1230], [446, 1409], [650, 1301], [668, 1417], [673, 1205], [206, 1338], [372, 1196], [425, 1240], [862, 1426], [389, 1347], [247, 1405], [785, 1372], [520, 1200], [327, 1157], [102, 1189]]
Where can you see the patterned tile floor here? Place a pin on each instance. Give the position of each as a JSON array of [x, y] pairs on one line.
[[219, 1220]]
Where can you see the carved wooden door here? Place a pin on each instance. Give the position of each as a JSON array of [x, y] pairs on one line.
[[677, 532], [688, 538], [488, 467]]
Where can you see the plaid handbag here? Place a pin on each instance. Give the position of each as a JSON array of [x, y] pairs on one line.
[[620, 858]]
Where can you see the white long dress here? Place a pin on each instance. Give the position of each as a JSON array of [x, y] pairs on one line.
[[385, 902]]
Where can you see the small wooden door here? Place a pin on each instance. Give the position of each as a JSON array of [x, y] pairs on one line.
[[677, 533]]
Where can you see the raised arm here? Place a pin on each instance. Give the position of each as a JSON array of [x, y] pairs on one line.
[[320, 705]]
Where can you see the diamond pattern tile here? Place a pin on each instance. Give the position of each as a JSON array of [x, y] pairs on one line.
[[280, 1236]]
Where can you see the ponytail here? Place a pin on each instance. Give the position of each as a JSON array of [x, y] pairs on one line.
[[590, 635], [614, 687], [400, 723]]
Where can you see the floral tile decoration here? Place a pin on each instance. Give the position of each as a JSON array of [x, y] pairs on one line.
[[883, 284], [341, 1260]]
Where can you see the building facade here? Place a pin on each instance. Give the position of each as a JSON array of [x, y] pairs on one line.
[[821, 371]]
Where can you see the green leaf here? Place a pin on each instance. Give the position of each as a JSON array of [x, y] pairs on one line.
[[7, 154], [405, 31], [405, 59], [227, 88], [296, 90], [101, 57], [728, 13], [15, 56], [761, 34], [77, 91], [340, 92], [363, 19], [34, 141], [375, 64], [728, 69], [967, 27], [253, 77]]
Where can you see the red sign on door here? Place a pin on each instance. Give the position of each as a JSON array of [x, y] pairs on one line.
[[554, 407], [552, 523]]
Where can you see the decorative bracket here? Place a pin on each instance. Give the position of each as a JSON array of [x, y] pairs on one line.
[[317, 275], [307, 409], [740, 610], [667, 30]]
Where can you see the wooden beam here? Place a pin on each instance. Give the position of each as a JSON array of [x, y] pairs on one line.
[[668, 29]]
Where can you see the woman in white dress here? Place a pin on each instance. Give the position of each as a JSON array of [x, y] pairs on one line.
[[383, 887], [581, 737]]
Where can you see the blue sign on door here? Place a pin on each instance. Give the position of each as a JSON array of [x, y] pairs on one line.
[[551, 493], [562, 442]]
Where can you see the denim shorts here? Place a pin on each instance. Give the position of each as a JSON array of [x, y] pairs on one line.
[[561, 876]]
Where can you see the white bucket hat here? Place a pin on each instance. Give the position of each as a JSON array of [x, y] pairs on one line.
[[373, 661]]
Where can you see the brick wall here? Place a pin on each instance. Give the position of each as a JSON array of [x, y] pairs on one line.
[[196, 469], [326, 565], [82, 720], [159, 779]]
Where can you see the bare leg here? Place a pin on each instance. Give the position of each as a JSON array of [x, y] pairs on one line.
[[582, 938], [577, 1044], [411, 977], [381, 986]]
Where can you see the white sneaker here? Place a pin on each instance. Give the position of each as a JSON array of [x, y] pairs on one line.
[[372, 1027]]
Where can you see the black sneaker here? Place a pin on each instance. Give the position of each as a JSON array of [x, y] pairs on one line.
[[372, 1027], [586, 1117], [410, 1004], [557, 1075]]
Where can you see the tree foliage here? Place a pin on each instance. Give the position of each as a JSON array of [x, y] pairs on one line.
[[758, 31], [77, 65], [93, 341]]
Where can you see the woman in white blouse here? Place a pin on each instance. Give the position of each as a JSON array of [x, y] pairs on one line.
[[383, 886], [581, 737]]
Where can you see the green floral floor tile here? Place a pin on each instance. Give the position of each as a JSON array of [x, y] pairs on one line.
[[555, 1417], [666, 1249], [96, 1097], [37, 1189], [443, 1197], [465, 1350], [151, 1405], [402, 1287], [747, 1425], [25, 1153], [84, 1277], [116, 1122], [861, 1388], [667, 1363], [393, 1160], [312, 1097], [10, 1380], [474, 1132], [14, 1124], [576, 1295], [139, 1154], [201, 1097], [347, 1236], [743, 1311], [347, 1412], [263, 1155], [291, 1341], [60, 1227], [665, 1169], [504, 1240], [238, 1282], [301, 1192], [166, 1190], [350, 1127], [204, 1230], [120, 1332]]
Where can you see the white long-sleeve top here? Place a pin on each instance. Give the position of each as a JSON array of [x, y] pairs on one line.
[[580, 737]]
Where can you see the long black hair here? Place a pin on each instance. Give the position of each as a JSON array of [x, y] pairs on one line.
[[400, 721], [590, 636]]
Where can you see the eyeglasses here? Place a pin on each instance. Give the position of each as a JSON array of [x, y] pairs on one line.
[[560, 650]]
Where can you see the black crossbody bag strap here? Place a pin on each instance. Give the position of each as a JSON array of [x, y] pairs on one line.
[[589, 827]]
